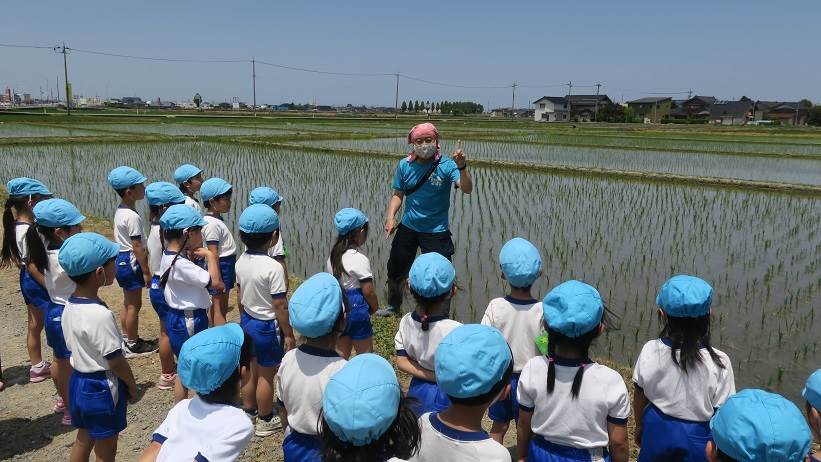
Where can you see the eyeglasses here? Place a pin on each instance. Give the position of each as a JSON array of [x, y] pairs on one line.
[[424, 140]]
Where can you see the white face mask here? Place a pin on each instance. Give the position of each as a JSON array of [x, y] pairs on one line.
[[425, 151]]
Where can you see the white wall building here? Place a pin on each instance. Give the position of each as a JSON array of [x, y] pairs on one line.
[[551, 109]]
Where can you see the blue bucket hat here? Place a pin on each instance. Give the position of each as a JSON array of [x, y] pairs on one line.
[[520, 261], [26, 187], [55, 213], [812, 390], [125, 177], [85, 252], [181, 216], [685, 296], [208, 358], [348, 219], [573, 308], [264, 195], [163, 193], [758, 425], [361, 401], [470, 360], [258, 218], [315, 305], [431, 275], [213, 187], [185, 172]]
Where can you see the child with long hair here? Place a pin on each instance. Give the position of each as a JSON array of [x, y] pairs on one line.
[[18, 217], [353, 271]]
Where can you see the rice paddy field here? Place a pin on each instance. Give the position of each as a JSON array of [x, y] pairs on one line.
[[621, 207]]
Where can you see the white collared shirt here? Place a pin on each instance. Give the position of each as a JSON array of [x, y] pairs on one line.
[[216, 232], [187, 286], [92, 334], [439, 442], [358, 269], [261, 279], [128, 227], [418, 344], [520, 322]]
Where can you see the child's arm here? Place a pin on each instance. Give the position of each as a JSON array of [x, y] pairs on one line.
[[523, 433], [36, 274], [213, 267], [281, 310], [151, 452], [412, 367], [618, 444], [369, 292], [640, 402], [142, 258], [119, 366]]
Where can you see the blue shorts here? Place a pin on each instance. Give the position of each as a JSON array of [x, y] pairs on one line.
[[129, 277], [668, 438], [508, 408], [428, 396], [229, 275], [299, 447], [157, 297], [358, 319], [180, 325], [92, 407], [267, 338], [33, 293], [541, 450], [53, 326]]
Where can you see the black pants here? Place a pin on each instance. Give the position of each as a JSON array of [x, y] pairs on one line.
[[403, 251]]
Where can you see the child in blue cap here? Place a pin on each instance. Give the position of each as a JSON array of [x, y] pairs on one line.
[[431, 282], [570, 407], [269, 196], [160, 196], [189, 179], [102, 382], [216, 194], [473, 366], [210, 426], [133, 272], [679, 378], [18, 217], [353, 271], [812, 406], [317, 311], [519, 317], [364, 416], [185, 284], [261, 290], [55, 221], [755, 425]]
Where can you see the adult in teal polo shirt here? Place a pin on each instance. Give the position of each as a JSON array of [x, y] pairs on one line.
[[423, 180]]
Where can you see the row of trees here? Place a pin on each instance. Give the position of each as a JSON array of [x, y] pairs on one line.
[[444, 107]]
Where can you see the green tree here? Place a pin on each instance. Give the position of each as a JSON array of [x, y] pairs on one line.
[[404, 107], [815, 116], [805, 103], [416, 105]]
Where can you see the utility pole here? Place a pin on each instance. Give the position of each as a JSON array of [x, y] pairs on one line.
[[689, 94], [513, 103], [396, 99], [62, 49], [58, 88], [569, 88], [254, 83], [596, 113]]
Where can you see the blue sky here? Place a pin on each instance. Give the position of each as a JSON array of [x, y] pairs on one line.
[[730, 48]]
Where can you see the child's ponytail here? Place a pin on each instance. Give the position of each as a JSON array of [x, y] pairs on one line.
[[37, 250], [688, 336], [339, 248], [167, 273], [581, 345], [10, 254]]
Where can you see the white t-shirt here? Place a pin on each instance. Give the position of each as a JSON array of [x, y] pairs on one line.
[[261, 278], [278, 250], [187, 286], [91, 333], [194, 429], [128, 227], [217, 232], [440, 442], [193, 203], [301, 380], [581, 422], [358, 269], [58, 284], [694, 395], [520, 321], [415, 343], [154, 246], [20, 230]]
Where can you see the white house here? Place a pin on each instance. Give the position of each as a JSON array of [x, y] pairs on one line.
[[551, 109]]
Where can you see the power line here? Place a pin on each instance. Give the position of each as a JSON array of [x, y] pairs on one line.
[[11, 45], [317, 71], [152, 58], [453, 85]]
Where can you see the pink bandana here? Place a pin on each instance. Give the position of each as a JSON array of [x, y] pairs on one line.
[[421, 131]]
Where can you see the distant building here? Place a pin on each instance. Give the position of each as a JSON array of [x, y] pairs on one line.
[[551, 109], [27, 98], [732, 112], [132, 101], [785, 112], [651, 108], [583, 107], [697, 107]]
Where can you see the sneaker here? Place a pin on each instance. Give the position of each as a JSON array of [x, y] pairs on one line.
[[267, 428], [59, 405], [166, 381], [387, 312], [66, 420], [139, 348], [40, 372], [251, 413]]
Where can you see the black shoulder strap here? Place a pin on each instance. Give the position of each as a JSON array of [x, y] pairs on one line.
[[422, 181]]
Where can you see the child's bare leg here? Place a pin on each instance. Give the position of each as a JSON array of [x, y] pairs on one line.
[[130, 316], [249, 388], [106, 449], [81, 449], [36, 320]]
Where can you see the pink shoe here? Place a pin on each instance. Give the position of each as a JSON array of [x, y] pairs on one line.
[[2, 385], [66, 418], [166, 381], [40, 373], [59, 405]]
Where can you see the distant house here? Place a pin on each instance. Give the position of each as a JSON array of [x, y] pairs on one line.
[[785, 112], [732, 112], [651, 108], [697, 107], [583, 107], [551, 109]]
